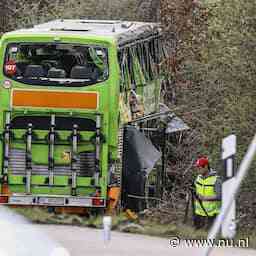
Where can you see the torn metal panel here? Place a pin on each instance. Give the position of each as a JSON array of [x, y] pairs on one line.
[[176, 125], [173, 123], [141, 154], [139, 159]]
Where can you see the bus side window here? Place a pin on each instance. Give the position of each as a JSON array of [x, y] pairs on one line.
[[156, 54], [125, 85], [139, 77], [146, 61]]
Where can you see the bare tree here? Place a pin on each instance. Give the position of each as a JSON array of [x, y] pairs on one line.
[[3, 16]]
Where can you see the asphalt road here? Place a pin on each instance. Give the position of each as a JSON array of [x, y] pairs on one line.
[[80, 241]]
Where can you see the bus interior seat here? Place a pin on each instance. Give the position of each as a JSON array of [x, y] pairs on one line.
[[56, 73], [70, 60], [48, 64], [35, 71], [21, 68], [83, 72]]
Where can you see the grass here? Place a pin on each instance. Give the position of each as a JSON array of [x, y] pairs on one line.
[[43, 216]]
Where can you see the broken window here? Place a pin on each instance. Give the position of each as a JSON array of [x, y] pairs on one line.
[[56, 64]]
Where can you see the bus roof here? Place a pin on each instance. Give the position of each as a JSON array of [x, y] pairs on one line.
[[122, 31]]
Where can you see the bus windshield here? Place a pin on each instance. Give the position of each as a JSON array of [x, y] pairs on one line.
[[56, 64]]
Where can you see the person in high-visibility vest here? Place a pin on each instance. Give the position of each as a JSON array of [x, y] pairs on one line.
[[207, 194]]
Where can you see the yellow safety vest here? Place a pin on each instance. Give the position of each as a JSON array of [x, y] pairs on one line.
[[205, 187]]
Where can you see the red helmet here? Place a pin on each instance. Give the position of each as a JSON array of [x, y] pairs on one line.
[[202, 162]]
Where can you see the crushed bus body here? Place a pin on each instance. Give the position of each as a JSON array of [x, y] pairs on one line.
[[69, 90]]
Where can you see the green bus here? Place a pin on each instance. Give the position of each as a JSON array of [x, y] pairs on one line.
[[69, 90]]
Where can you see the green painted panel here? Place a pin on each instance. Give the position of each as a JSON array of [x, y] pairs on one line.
[[51, 191], [15, 179], [37, 190], [83, 182], [61, 180], [85, 191], [38, 180], [17, 188]]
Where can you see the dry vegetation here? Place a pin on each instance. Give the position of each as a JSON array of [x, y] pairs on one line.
[[32, 12], [212, 66]]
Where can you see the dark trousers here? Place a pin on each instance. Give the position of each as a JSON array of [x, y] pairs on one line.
[[203, 221]]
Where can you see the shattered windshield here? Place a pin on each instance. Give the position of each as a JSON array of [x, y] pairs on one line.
[[56, 64]]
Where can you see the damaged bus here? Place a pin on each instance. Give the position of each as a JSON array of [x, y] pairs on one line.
[[75, 98]]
